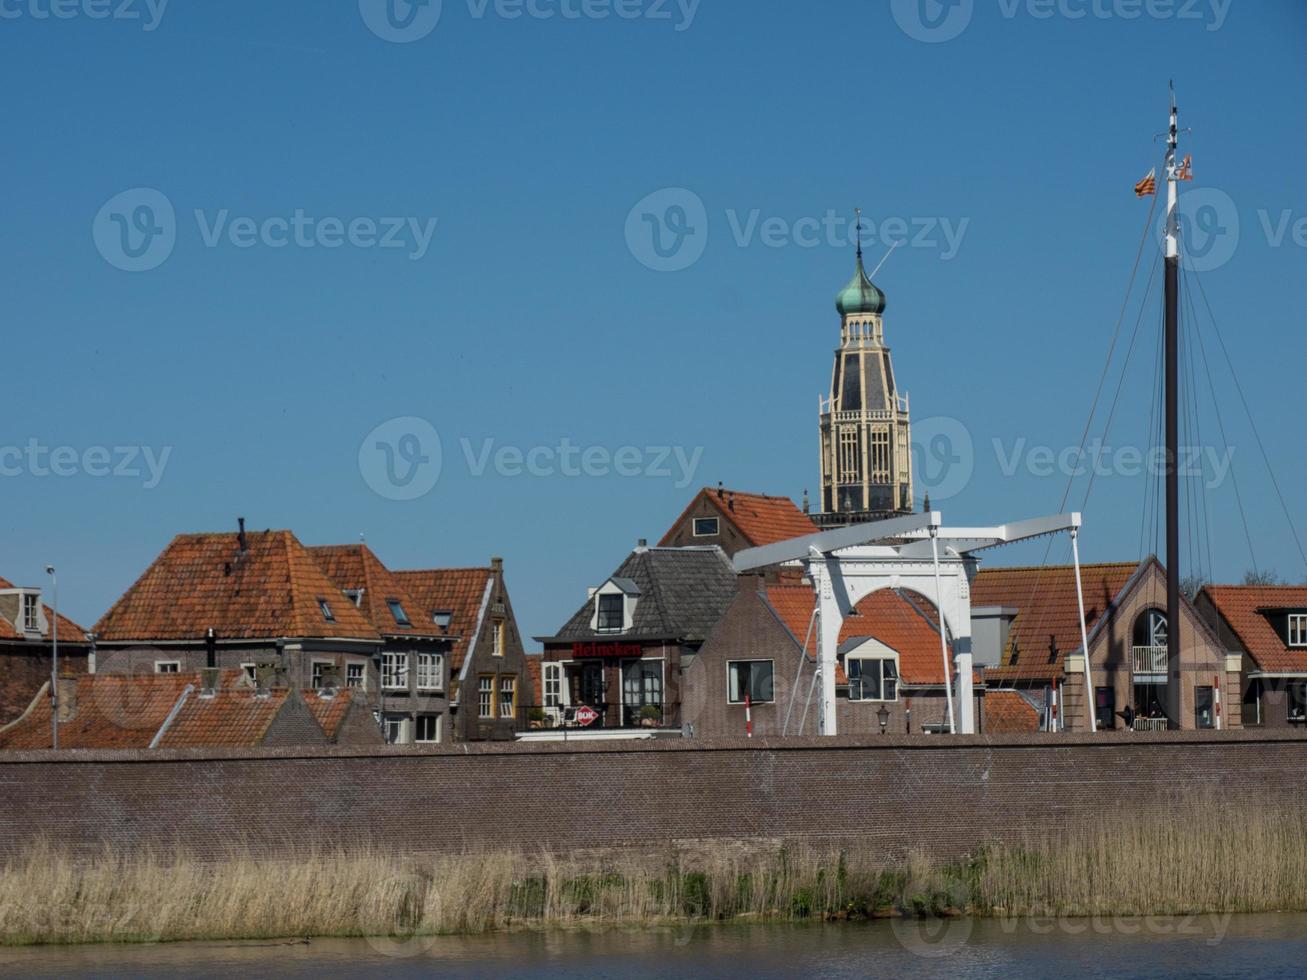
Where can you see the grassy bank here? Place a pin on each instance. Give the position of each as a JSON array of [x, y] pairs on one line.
[[1246, 861]]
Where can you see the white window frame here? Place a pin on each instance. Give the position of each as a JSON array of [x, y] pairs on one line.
[[176, 666], [714, 533], [883, 658], [31, 612], [486, 697], [553, 685], [314, 676], [736, 663], [251, 670], [404, 728], [497, 638], [437, 720], [362, 669], [431, 671], [1298, 630], [395, 671], [507, 683]]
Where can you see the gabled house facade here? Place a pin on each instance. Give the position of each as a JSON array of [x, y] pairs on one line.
[[734, 520], [617, 663], [1026, 629], [412, 696], [1264, 629], [490, 689], [26, 647], [754, 672]]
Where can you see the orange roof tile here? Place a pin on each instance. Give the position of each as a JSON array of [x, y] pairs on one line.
[[1239, 605], [68, 630], [760, 518], [229, 718], [906, 624], [329, 712], [356, 566], [457, 591], [113, 711], [1007, 712], [202, 581], [1047, 625]]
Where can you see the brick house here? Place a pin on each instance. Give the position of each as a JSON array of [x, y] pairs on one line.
[[890, 666], [490, 689], [621, 655], [1264, 629], [733, 521], [26, 647], [1026, 631], [211, 709], [238, 601], [413, 694]]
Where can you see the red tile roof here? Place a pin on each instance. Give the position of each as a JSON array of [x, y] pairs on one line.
[[1047, 625], [1239, 605], [355, 566], [904, 623], [202, 581], [127, 711], [68, 630], [1007, 712], [113, 711], [330, 712], [761, 519], [458, 591]]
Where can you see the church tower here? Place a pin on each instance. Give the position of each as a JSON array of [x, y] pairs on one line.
[[866, 455]]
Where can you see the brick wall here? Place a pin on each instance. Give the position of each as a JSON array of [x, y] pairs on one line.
[[25, 667], [946, 795]]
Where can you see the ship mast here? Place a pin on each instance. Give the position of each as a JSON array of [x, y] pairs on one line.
[[1172, 343]]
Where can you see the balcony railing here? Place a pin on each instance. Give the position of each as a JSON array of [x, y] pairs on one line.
[[610, 716], [1150, 725], [1150, 660]]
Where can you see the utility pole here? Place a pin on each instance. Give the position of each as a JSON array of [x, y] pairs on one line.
[[1172, 344], [54, 659]]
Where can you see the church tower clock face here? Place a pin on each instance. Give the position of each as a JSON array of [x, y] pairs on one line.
[[866, 454]]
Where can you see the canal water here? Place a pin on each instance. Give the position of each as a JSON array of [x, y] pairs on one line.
[[1261, 946]]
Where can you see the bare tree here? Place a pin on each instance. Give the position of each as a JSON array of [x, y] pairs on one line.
[[1266, 576], [1191, 585]]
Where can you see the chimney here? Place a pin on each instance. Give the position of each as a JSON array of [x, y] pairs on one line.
[[730, 503], [642, 545], [497, 566], [805, 501], [67, 698], [240, 521], [210, 649], [719, 490], [210, 678]]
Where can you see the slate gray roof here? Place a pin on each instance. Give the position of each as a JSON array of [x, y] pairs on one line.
[[683, 593]]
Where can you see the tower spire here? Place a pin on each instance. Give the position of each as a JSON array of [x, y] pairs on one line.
[[858, 211]]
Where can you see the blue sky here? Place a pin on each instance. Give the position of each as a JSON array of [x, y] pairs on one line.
[[529, 314]]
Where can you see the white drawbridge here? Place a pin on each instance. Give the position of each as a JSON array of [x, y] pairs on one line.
[[918, 553]]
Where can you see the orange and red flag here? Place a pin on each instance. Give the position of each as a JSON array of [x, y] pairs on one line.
[[1147, 186]]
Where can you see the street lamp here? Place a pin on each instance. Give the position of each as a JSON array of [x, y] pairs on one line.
[[883, 717], [54, 659]]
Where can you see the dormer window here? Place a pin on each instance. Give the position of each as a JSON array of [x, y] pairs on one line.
[[707, 527], [1298, 630], [442, 618], [612, 613], [325, 608], [31, 613], [355, 596], [397, 610]]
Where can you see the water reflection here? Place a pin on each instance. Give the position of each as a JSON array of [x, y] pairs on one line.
[[1267, 946]]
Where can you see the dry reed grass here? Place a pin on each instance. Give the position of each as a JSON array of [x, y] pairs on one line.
[[1229, 861]]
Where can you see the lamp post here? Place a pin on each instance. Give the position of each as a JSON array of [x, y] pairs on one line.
[[883, 717], [54, 659]]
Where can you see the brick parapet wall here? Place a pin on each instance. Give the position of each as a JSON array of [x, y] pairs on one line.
[[946, 795]]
